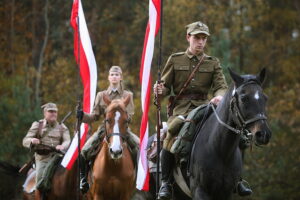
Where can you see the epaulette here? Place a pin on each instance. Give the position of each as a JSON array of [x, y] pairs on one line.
[[212, 58], [177, 54]]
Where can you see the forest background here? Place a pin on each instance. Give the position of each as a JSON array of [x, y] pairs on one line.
[[38, 66]]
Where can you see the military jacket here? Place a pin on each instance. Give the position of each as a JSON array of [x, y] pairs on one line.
[[100, 105], [208, 77], [51, 135]]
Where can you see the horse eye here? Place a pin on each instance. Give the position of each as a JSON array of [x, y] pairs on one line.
[[244, 97], [265, 97]]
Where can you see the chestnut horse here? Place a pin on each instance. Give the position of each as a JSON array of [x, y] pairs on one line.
[[113, 173]]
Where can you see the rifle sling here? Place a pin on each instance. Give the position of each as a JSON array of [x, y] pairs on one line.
[[187, 82]]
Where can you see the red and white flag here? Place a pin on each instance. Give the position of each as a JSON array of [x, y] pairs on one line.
[[88, 73], [142, 181]]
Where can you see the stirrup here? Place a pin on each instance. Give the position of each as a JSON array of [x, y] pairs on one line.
[[246, 190], [84, 185], [165, 191]]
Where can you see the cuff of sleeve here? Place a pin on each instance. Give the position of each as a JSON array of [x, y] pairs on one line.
[[220, 92]]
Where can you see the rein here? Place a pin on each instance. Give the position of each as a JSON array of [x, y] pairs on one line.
[[238, 118]]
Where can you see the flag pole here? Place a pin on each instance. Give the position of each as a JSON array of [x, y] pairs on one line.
[[78, 122], [157, 101]]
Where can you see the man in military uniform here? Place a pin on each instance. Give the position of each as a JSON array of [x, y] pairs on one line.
[[114, 91], [209, 76], [47, 132]]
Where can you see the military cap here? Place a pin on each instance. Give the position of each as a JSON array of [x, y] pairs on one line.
[[49, 106], [196, 28], [115, 69]]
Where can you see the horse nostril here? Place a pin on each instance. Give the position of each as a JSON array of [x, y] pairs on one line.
[[258, 134], [119, 152]]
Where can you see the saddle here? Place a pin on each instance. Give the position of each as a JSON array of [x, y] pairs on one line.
[[183, 143], [152, 146], [45, 183]]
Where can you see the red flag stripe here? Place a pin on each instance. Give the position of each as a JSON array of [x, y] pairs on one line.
[[88, 73], [152, 29]]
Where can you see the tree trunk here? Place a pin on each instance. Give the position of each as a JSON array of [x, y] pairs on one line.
[[12, 38], [41, 55]]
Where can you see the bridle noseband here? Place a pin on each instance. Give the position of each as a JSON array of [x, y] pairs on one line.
[[238, 119], [122, 135]]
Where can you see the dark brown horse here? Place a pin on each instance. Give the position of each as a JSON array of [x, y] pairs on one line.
[[113, 173], [63, 187]]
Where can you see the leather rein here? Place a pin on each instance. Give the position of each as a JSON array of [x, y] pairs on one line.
[[238, 119]]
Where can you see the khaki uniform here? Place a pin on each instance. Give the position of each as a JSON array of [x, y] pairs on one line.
[[208, 77], [51, 135], [99, 109]]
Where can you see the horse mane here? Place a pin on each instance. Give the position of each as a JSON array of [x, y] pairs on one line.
[[225, 102]]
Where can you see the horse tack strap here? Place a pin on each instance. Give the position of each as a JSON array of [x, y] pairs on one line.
[[180, 95], [39, 134], [181, 182], [239, 118], [224, 124], [118, 134]]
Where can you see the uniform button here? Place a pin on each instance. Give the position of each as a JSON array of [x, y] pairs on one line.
[[193, 86], [193, 79], [193, 66]]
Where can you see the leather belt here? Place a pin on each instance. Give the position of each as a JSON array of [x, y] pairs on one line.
[[199, 96]]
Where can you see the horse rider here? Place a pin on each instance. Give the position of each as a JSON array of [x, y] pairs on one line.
[[178, 69], [48, 132], [114, 91]]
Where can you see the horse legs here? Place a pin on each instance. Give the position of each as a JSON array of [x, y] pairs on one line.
[[199, 194]]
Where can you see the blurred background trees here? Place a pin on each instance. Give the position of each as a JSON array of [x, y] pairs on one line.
[[37, 66]]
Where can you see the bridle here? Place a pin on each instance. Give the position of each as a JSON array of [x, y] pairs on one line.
[[124, 136], [238, 118]]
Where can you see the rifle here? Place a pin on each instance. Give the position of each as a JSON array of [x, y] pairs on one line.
[[157, 101], [25, 168], [65, 118]]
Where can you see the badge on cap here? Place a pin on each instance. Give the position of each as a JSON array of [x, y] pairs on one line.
[[200, 24]]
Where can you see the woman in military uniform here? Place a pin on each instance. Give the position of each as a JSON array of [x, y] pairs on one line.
[[114, 91]]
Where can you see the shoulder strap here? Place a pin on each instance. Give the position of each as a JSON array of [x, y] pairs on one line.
[[39, 134], [187, 82]]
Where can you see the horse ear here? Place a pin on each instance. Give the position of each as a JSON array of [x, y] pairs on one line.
[[126, 100], [262, 76], [106, 99], [235, 77]]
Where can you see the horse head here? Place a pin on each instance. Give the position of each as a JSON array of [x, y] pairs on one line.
[[248, 106], [116, 124]]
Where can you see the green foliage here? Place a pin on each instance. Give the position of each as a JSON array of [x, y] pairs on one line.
[[17, 115], [245, 35]]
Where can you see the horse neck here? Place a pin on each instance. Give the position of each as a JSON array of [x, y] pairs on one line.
[[227, 141]]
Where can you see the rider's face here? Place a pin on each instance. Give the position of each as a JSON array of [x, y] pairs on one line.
[[114, 78], [50, 116], [197, 43]]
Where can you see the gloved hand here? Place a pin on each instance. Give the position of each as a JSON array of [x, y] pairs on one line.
[[79, 114]]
